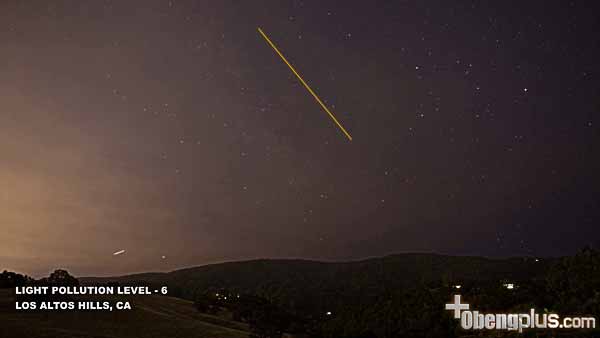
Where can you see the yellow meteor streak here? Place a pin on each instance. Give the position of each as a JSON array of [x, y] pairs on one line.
[[305, 84]]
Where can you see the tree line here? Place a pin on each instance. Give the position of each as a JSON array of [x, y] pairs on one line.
[[58, 277]]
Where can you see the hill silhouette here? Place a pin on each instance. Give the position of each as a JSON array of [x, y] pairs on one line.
[[393, 296], [305, 285]]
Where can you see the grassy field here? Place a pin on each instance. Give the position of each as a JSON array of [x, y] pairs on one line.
[[151, 316]]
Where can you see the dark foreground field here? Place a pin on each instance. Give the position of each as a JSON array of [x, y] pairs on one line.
[[151, 316], [388, 297]]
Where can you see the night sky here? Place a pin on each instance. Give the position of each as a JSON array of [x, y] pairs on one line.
[[171, 128]]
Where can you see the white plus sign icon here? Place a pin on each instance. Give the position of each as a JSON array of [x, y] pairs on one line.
[[457, 306]]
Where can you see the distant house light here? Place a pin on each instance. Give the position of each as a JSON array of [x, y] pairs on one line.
[[509, 286], [457, 286], [328, 313]]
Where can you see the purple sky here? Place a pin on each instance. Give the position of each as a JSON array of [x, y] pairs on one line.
[[170, 128]]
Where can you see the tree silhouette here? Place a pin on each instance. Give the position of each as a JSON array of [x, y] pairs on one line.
[[11, 279], [574, 282], [61, 278]]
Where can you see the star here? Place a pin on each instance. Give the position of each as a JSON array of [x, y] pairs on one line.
[[116, 134]]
